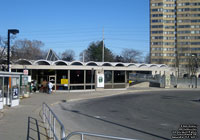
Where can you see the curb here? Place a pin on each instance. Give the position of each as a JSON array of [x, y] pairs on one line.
[[128, 91]]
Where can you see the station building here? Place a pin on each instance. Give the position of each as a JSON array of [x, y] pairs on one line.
[[78, 75]]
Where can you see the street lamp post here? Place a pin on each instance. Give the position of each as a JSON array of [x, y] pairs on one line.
[[10, 31]]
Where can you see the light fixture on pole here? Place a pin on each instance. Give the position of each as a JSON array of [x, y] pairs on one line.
[[10, 31]]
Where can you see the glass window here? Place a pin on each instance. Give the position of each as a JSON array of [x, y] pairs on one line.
[[76, 76], [108, 76], [61, 74], [89, 75], [119, 76]]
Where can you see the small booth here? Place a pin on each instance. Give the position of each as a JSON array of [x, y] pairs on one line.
[[9, 88], [24, 90]]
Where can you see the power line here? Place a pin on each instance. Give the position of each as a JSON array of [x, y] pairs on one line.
[[121, 39], [44, 34], [52, 29], [73, 41]]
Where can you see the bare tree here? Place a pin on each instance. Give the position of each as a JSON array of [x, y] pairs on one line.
[[26, 49], [147, 58], [3, 46], [68, 55], [131, 55], [119, 58], [193, 64]]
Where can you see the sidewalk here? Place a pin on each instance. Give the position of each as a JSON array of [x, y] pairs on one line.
[[18, 123]]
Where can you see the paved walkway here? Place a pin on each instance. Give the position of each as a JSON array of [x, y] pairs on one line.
[[24, 121]]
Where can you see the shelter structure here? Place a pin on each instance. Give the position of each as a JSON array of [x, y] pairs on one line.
[[77, 75], [11, 88]]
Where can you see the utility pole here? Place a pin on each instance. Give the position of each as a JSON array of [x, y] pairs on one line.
[[103, 47]]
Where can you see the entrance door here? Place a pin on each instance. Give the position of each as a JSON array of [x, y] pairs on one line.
[[52, 79]]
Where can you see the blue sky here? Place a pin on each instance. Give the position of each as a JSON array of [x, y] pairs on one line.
[[74, 24]]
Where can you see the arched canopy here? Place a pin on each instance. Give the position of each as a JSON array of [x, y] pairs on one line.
[[163, 66], [23, 62], [132, 65], [91, 64], [119, 65], [142, 65], [60, 62], [77, 63], [153, 65], [42, 62], [106, 64]]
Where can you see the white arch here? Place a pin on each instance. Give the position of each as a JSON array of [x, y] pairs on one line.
[[23, 62], [132, 65], [119, 65], [42, 62], [60, 62], [142, 65], [162, 66], [107, 64], [91, 63], [79, 63], [153, 65]]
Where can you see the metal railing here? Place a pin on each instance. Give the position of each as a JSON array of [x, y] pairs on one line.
[[145, 77], [55, 128], [82, 134], [185, 82]]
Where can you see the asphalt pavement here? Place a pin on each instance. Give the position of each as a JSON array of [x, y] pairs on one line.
[[24, 121], [138, 115]]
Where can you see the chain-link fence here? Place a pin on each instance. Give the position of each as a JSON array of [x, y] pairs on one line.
[[187, 82], [160, 80]]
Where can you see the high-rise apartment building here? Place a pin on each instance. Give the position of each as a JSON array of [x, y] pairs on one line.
[[174, 31]]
